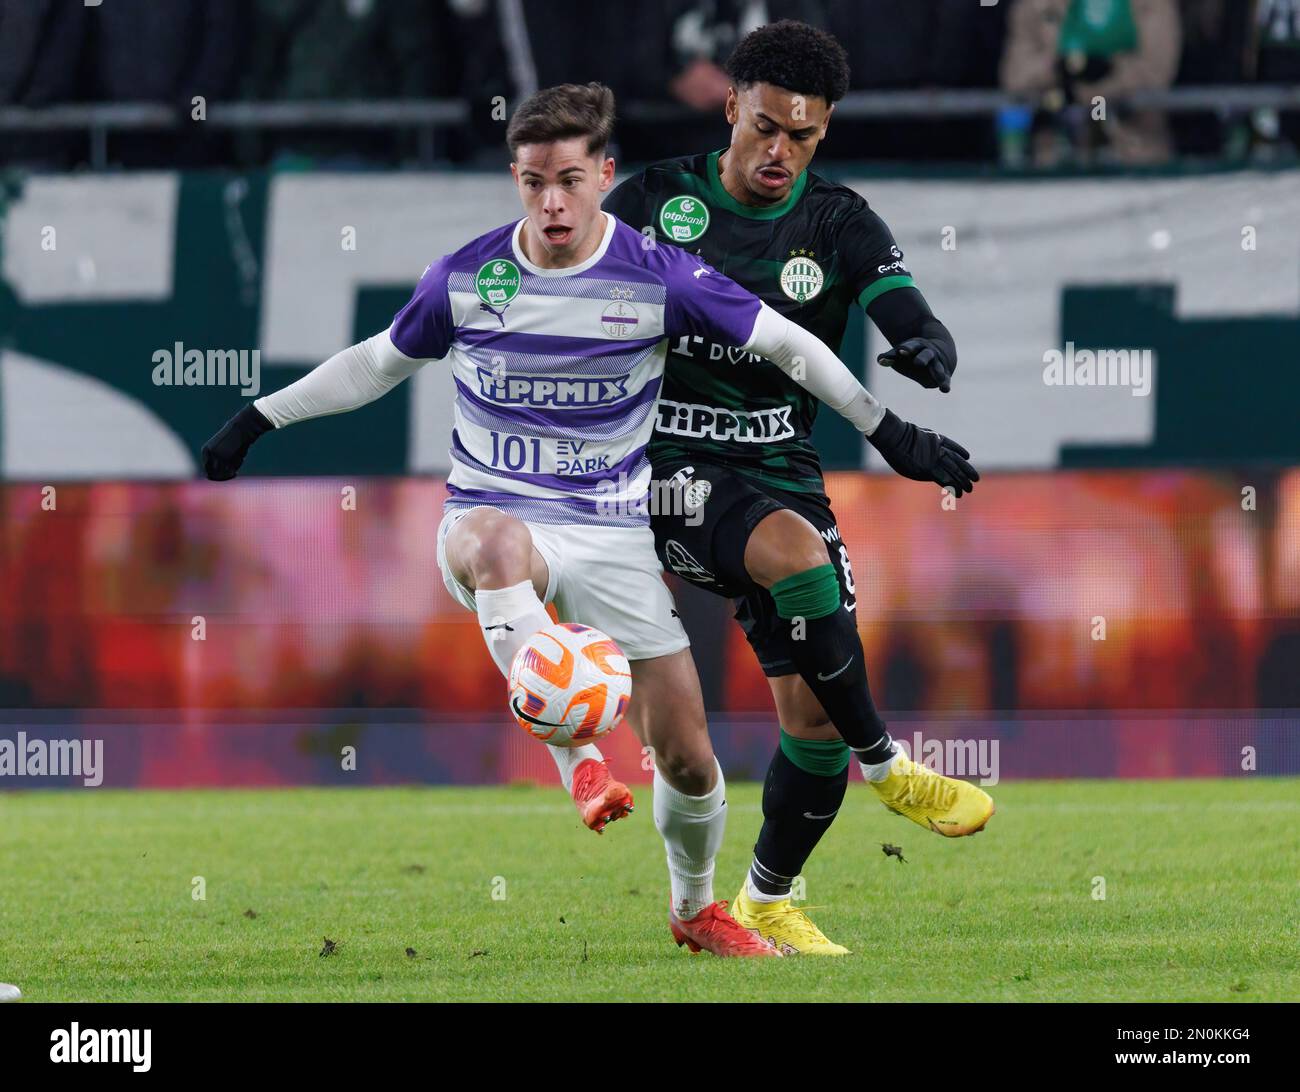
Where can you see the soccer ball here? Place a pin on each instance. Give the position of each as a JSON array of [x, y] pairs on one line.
[[570, 684]]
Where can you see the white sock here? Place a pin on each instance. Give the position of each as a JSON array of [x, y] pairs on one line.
[[878, 771], [692, 829], [567, 759], [509, 616], [761, 896], [515, 614]]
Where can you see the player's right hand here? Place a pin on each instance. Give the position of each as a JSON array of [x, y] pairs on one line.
[[922, 360], [923, 454], [224, 454]]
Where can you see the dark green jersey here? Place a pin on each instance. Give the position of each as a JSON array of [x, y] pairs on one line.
[[811, 258]]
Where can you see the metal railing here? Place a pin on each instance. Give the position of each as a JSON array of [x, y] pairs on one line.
[[427, 116]]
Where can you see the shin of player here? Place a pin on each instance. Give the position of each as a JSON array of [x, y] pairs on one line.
[[492, 554], [690, 803]]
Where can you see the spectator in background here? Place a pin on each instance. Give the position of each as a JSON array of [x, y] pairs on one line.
[[1276, 59], [1216, 50], [892, 45], [908, 45], [514, 47], [147, 52], [704, 32], [666, 54], [41, 46], [1067, 52], [348, 49], [305, 50], [702, 35], [671, 54]]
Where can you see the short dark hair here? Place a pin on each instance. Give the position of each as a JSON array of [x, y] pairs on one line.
[[562, 112], [792, 55]]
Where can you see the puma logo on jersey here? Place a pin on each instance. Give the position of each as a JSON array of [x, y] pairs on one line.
[[501, 315]]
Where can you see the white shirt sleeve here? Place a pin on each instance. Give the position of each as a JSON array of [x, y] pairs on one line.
[[347, 380], [808, 360]]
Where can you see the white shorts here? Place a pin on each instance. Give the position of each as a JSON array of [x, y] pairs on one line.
[[605, 577]]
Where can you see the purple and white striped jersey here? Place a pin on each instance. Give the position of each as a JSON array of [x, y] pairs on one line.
[[557, 370]]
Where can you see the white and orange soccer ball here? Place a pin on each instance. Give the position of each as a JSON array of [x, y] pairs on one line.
[[569, 685]]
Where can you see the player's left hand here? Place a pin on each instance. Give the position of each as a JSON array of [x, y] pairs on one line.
[[923, 454], [224, 454], [922, 361]]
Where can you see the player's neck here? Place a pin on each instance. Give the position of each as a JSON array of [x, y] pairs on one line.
[[540, 257], [735, 186]]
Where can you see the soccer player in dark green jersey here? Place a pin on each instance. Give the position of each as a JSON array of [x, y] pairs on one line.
[[756, 524]]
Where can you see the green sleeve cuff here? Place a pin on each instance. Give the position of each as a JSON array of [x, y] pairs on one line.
[[885, 284]]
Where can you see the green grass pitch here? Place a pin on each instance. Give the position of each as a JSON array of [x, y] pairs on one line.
[[96, 898]]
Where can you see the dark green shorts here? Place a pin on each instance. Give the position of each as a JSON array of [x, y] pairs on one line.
[[703, 527]]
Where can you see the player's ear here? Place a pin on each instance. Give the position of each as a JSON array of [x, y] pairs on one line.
[[606, 173], [732, 110], [826, 121], [514, 173]]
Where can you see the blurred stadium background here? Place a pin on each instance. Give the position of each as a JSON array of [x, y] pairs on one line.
[[274, 175]]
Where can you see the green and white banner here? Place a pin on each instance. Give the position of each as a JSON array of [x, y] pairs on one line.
[[1106, 321]]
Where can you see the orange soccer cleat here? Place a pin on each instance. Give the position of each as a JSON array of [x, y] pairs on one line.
[[714, 930], [600, 799]]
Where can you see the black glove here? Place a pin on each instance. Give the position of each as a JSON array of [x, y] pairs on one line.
[[223, 455], [923, 455], [922, 361]]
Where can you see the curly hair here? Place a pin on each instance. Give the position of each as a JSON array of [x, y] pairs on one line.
[[792, 55]]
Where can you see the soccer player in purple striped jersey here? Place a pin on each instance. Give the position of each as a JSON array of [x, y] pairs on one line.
[[555, 328]]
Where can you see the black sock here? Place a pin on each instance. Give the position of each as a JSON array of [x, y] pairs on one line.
[[830, 660], [788, 837]]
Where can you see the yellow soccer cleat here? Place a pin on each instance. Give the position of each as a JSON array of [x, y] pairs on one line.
[[944, 804], [783, 924]]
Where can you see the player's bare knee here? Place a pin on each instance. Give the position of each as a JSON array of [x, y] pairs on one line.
[[783, 544], [499, 551], [816, 726], [690, 770]]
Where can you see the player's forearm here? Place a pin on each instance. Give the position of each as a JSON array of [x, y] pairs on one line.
[[808, 360], [347, 380], [903, 314]]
